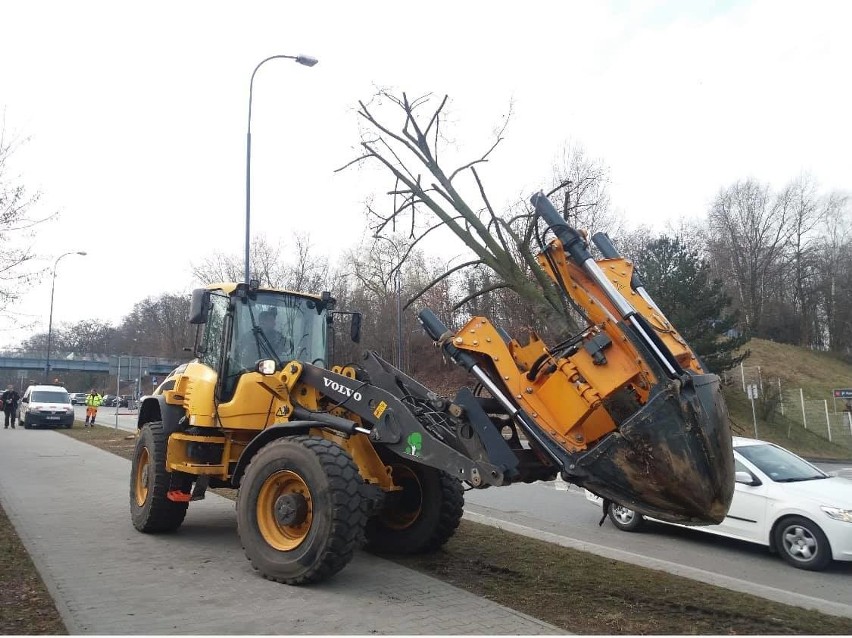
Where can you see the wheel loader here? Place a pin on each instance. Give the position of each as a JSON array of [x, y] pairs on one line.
[[327, 459]]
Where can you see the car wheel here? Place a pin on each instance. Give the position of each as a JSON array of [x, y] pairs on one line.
[[625, 518], [802, 543]]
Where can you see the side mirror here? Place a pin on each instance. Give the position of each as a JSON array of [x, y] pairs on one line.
[[200, 306], [746, 478], [355, 327]]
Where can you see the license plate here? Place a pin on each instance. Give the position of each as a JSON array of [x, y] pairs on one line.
[[52, 418]]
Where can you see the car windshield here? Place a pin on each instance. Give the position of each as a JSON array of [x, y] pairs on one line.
[[780, 465], [45, 396]]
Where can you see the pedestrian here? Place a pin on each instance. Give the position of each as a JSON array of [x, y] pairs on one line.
[[93, 401], [10, 399]]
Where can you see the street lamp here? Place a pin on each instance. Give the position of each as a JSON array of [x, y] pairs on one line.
[[304, 60], [50, 322]]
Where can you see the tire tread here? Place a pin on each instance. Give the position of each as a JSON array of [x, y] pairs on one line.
[[347, 526]]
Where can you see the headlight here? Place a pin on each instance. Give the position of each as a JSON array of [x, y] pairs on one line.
[[837, 513]]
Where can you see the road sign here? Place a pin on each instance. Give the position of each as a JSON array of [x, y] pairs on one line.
[[752, 391], [845, 393]]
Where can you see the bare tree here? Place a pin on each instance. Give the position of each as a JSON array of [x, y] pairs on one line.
[[749, 228], [835, 273], [17, 228], [274, 265], [807, 212], [426, 197], [581, 191], [157, 326]]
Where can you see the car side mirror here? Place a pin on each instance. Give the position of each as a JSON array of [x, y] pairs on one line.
[[746, 478]]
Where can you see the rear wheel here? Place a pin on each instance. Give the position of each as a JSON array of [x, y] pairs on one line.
[[150, 508], [299, 511], [625, 518], [802, 543], [422, 516]]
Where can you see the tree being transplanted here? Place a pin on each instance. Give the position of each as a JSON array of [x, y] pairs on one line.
[[678, 279], [403, 135]]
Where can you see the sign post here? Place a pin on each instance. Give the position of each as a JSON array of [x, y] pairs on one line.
[[842, 393], [752, 395]]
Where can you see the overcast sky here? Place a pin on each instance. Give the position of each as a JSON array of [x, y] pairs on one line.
[[136, 114]]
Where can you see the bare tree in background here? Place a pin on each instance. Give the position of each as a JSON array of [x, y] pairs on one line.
[[749, 228], [293, 267], [580, 190], [405, 136], [835, 273], [17, 229], [807, 212]]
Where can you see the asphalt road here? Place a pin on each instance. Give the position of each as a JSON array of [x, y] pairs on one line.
[[557, 509]]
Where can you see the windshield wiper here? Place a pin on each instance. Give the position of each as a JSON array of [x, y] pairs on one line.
[[796, 479]]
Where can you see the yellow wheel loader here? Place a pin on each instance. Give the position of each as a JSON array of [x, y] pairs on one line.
[[329, 458]]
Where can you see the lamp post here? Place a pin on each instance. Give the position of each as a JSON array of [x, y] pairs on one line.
[[304, 60], [50, 321]]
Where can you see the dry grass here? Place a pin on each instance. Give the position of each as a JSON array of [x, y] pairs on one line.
[[588, 594], [25, 604]]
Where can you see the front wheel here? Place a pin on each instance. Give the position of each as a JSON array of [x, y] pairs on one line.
[[420, 517], [625, 518], [802, 543], [150, 508], [299, 511]]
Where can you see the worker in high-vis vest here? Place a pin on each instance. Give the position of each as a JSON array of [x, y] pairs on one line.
[[93, 401]]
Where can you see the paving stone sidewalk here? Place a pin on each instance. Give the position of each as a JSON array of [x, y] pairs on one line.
[[69, 503]]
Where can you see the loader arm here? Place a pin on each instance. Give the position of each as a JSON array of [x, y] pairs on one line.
[[624, 409]]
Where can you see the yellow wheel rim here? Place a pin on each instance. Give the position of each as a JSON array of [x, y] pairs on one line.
[[142, 477], [407, 510], [284, 510]]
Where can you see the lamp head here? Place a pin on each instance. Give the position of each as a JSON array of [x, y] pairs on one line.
[[306, 60]]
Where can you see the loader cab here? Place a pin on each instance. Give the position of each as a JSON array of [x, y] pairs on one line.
[[240, 325]]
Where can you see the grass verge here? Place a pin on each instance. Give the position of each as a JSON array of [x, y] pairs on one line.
[[577, 591]]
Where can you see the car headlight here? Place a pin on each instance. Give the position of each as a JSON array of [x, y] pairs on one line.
[[838, 513]]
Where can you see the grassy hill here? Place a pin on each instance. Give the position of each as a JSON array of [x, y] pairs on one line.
[[816, 373]]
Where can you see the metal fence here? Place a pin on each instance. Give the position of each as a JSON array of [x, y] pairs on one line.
[[829, 418]]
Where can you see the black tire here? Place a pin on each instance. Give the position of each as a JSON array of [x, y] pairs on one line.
[[27, 425], [69, 426], [625, 518], [325, 523], [802, 543], [150, 509], [420, 518]]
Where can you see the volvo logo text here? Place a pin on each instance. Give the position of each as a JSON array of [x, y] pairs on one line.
[[342, 389]]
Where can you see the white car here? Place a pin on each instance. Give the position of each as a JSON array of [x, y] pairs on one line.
[[45, 405], [780, 501]]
